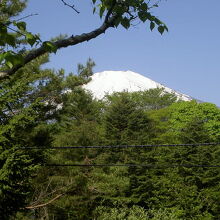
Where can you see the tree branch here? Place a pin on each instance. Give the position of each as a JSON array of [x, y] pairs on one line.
[[73, 40], [27, 16], [44, 204], [110, 11], [71, 6]]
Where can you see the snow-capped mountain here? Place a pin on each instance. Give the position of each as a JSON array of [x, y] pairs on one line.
[[107, 82]]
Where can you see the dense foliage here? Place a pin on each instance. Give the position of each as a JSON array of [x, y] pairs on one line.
[[47, 109]]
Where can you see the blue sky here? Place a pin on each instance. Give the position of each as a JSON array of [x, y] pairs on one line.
[[186, 59]]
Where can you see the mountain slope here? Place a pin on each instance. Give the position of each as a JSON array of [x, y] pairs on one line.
[[107, 82]]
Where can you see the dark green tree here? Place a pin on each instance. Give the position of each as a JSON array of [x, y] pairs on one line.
[[62, 192], [125, 122], [86, 71]]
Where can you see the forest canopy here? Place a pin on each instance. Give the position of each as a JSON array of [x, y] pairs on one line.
[[39, 180]]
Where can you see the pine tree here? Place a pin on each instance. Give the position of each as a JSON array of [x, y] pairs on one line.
[[125, 122]]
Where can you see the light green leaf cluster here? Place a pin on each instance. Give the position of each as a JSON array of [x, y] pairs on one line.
[[206, 113], [136, 213]]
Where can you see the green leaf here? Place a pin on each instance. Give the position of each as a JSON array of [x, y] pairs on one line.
[[31, 39], [166, 28], [117, 22], [2, 42], [125, 22], [143, 16], [13, 59], [144, 7], [10, 40], [21, 26], [158, 21], [161, 29], [2, 57], [50, 46], [18, 59], [3, 28], [152, 25], [101, 11], [8, 54], [9, 64]]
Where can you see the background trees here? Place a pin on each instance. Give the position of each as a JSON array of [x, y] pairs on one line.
[[48, 109], [94, 193]]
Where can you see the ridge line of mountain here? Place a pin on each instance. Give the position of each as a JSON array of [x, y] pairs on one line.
[[107, 82]]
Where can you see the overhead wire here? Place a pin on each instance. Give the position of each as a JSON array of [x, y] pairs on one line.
[[127, 146], [132, 165], [123, 146]]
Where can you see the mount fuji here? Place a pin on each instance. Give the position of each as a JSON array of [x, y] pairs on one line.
[[108, 82]]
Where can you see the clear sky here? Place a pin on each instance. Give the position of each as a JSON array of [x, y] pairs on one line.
[[186, 59]]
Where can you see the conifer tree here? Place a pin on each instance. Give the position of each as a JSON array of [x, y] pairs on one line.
[[124, 120]]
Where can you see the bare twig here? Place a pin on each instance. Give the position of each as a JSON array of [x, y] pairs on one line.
[[132, 17], [27, 16], [45, 204], [44, 194], [71, 6]]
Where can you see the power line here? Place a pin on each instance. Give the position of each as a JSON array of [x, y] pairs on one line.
[[123, 146], [132, 165], [128, 146]]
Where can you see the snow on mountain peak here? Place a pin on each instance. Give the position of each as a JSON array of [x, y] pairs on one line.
[[107, 82]]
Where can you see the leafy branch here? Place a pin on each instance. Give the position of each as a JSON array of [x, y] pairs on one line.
[[115, 12]]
